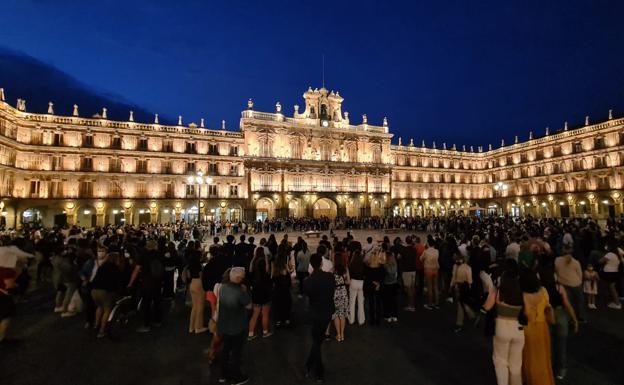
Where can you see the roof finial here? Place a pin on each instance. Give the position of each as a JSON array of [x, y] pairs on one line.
[[434, 146], [131, 118], [104, 113], [471, 148], [155, 118], [587, 120], [412, 142], [463, 147], [179, 120], [2, 94], [223, 124], [530, 135], [516, 139], [490, 147], [278, 107], [50, 108], [565, 126], [399, 140], [250, 104], [364, 119], [385, 121], [423, 144], [75, 113], [610, 114], [201, 122], [444, 145], [547, 130], [454, 148], [21, 104], [502, 142], [323, 71]]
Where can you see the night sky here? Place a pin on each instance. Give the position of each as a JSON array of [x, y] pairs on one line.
[[465, 72]]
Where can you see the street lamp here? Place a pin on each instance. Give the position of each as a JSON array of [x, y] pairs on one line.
[[500, 187], [198, 180]]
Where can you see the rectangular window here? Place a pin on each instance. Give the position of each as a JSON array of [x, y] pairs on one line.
[[141, 166], [87, 164], [87, 141], [233, 191], [190, 148], [213, 149], [233, 170], [190, 167], [212, 169], [167, 146], [86, 189], [58, 139], [212, 190], [233, 150], [114, 165], [116, 143], [578, 147], [141, 189], [143, 144], [34, 188], [190, 190]]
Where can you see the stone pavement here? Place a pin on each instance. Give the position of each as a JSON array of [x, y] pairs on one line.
[[420, 349]]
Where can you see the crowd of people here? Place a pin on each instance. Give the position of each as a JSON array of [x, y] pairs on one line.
[[529, 281]]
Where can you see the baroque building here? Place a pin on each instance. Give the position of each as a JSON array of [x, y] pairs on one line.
[[93, 171]]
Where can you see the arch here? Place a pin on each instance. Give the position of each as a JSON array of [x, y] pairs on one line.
[[376, 206], [142, 214], [115, 216], [325, 207], [265, 209], [86, 216], [295, 208], [31, 216], [351, 207]]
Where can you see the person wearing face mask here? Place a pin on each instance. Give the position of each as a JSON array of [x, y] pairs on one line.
[[104, 287]]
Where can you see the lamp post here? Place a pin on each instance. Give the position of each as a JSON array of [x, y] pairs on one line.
[[198, 180], [499, 188]]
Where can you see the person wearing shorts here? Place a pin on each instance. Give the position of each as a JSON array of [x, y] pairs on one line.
[[429, 258], [407, 265], [104, 288]]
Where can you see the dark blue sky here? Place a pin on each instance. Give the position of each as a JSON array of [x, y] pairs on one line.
[[457, 71]]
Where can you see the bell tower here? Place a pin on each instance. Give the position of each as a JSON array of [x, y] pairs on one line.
[[322, 105]]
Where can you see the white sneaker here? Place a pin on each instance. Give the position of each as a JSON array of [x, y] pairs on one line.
[[614, 305]]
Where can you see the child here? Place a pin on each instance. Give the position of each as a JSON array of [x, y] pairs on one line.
[[590, 285]]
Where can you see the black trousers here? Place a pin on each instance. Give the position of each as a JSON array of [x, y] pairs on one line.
[[231, 355], [314, 363], [89, 306], [390, 299], [168, 284], [151, 303]]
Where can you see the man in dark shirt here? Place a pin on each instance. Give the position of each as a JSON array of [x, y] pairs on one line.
[[319, 288], [241, 253], [232, 324], [149, 273], [229, 248]]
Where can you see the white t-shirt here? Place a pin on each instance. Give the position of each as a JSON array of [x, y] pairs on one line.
[[613, 262], [512, 251], [463, 250], [326, 266]]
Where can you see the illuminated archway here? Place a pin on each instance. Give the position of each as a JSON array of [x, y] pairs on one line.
[[325, 207], [265, 209]]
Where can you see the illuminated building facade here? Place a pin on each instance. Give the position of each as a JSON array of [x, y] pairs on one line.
[[93, 171]]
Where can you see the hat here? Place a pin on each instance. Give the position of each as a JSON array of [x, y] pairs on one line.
[[237, 274]]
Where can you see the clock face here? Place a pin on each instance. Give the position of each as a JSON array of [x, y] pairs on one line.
[[324, 123]]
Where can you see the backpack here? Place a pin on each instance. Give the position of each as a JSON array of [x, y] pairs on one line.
[[157, 268]]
